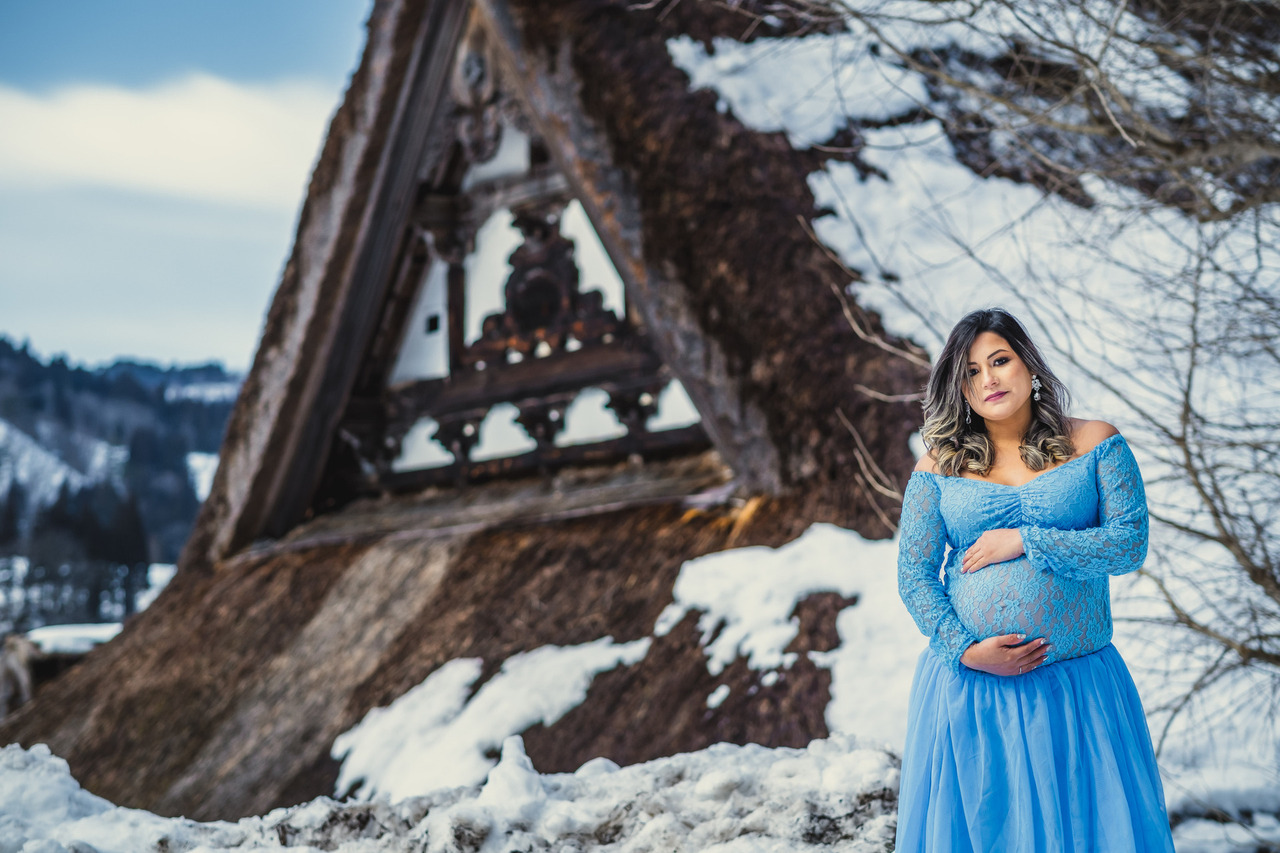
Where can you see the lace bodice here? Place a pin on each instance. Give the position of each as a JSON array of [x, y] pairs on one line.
[[1080, 522]]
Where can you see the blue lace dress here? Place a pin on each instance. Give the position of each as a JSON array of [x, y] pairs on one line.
[[1059, 758]]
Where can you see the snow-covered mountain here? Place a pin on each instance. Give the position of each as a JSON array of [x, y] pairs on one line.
[[28, 465], [99, 468], [140, 429]]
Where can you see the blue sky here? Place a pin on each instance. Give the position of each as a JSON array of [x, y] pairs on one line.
[[153, 154]]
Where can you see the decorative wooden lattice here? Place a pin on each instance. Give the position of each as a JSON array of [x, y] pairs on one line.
[[551, 341]]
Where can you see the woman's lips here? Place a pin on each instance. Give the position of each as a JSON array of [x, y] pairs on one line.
[[995, 396]]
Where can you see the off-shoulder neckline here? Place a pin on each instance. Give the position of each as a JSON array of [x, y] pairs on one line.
[[1059, 467]]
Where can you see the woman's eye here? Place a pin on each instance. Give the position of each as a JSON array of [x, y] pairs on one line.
[[999, 361]]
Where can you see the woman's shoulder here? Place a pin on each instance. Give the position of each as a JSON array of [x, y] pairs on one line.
[[1086, 435], [928, 464]]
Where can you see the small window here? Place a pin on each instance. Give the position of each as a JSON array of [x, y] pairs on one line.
[[433, 323]]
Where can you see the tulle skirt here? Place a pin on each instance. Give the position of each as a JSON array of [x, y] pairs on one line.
[[1058, 759]]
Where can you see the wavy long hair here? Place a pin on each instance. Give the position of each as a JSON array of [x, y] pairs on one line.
[[958, 447]]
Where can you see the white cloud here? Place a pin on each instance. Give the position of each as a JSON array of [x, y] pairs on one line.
[[199, 137], [98, 273]]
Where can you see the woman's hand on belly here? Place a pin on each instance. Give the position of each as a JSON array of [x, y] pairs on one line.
[[1006, 654], [994, 546]]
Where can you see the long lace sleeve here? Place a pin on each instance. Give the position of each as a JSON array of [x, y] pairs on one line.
[[1118, 544], [921, 549]]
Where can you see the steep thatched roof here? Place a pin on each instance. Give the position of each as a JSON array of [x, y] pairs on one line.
[[701, 215], [285, 624]]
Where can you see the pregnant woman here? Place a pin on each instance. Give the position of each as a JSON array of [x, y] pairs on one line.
[[1025, 732]]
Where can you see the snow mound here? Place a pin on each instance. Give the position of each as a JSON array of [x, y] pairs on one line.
[[1214, 836], [44, 810], [834, 795]]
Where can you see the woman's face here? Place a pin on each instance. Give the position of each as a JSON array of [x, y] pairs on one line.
[[999, 383]]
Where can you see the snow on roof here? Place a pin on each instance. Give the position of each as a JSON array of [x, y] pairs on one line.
[[438, 735], [747, 598]]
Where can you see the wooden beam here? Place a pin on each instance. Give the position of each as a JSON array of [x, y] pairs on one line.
[[354, 316], [535, 377], [435, 210], [279, 430], [654, 445], [546, 84]]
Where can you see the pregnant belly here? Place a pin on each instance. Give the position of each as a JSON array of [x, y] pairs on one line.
[[1014, 597]]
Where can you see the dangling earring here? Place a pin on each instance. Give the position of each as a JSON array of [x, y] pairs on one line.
[[967, 412], [1035, 387]]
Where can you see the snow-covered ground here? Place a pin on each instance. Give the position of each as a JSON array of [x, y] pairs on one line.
[[72, 639], [835, 795]]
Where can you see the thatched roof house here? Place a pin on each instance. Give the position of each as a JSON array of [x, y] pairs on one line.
[[330, 571]]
